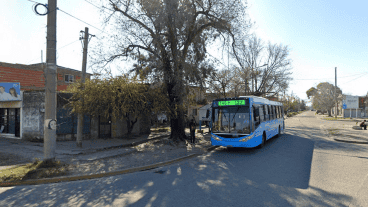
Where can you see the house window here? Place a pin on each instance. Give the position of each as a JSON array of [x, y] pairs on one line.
[[194, 112], [69, 78]]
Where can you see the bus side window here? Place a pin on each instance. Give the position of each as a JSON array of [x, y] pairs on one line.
[[253, 119], [266, 118], [261, 116], [270, 112], [256, 116], [280, 111], [277, 112]]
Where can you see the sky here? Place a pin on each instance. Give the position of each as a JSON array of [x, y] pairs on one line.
[[321, 35]]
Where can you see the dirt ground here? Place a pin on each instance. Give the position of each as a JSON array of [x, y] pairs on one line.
[[10, 159], [148, 153]]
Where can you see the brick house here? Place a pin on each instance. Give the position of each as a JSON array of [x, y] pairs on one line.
[[31, 77], [25, 118]]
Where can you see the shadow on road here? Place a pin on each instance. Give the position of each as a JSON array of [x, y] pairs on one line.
[[284, 161], [275, 175]]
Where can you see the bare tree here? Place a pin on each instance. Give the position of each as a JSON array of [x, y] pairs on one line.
[[173, 35], [266, 68], [220, 83]]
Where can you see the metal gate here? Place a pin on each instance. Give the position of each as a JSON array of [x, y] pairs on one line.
[[67, 123], [104, 127]]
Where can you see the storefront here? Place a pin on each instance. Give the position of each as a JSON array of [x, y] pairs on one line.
[[10, 110]]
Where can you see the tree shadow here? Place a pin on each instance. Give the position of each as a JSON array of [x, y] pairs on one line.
[[276, 175], [284, 161]]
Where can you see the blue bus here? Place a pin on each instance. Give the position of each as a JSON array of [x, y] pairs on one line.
[[247, 121]]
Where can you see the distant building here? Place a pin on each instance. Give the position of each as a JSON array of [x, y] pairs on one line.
[[354, 106]]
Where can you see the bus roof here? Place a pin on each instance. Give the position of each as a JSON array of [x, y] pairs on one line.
[[261, 100], [256, 100]]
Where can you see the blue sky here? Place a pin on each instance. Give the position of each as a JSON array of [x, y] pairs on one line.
[[321, 35]]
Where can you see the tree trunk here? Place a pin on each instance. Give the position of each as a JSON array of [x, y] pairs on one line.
[[130, 125], [329, 112], [177, 128]]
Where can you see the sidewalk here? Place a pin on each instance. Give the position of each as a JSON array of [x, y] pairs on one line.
[[99, 158], [342, 130], [68, 149]]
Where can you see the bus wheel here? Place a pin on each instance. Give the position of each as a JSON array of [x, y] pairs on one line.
[[263, 140]]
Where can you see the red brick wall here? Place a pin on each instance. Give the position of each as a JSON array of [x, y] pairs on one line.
[[26, 78], [31, 77]]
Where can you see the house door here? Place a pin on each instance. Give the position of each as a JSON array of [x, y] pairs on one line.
[[104, 127], [17, 122], [10, 120]]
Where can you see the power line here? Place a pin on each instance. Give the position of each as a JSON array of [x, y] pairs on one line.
[[98, 6], [34, 2], [57, 49], [67, 44], [354, 79], [80, 20], [333, 78], [74, 16]]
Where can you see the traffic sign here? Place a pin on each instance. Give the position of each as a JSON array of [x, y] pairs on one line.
[[344, 106]]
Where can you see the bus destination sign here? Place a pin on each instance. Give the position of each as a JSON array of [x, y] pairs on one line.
[[231, 103]]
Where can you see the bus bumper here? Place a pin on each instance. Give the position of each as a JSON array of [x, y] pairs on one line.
[[254, 142]]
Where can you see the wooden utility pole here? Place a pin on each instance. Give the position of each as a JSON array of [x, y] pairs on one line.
[[84, 65], [50, 85]]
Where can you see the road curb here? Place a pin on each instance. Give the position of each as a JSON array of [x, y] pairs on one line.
[[133, 143], [100, 175], [347, 141]]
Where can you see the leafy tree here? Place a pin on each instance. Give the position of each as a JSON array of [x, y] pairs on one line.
[[172, 36], [117, 97], [324, 96], [311, 92]]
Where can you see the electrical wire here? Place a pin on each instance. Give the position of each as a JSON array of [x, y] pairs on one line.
[[98, 6], [67, 45], [333, 78], [80, 20], [57, 49], [34, 2], [353, 79], [44, 5]]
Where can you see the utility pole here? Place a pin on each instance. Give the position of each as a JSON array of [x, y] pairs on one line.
[[84, 65], [335, 92], [50, 85]]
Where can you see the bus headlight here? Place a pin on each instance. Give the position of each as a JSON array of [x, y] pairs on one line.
[[247, 138], [216, 138]]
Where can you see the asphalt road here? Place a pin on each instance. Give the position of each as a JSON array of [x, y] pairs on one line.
[[303, 167]]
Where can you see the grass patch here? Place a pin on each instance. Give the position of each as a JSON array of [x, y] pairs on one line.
[[333, 131], [37, 169], [290, 114], [334, 119]]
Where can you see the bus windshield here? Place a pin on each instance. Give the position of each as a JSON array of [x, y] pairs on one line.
[[232, 119]]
